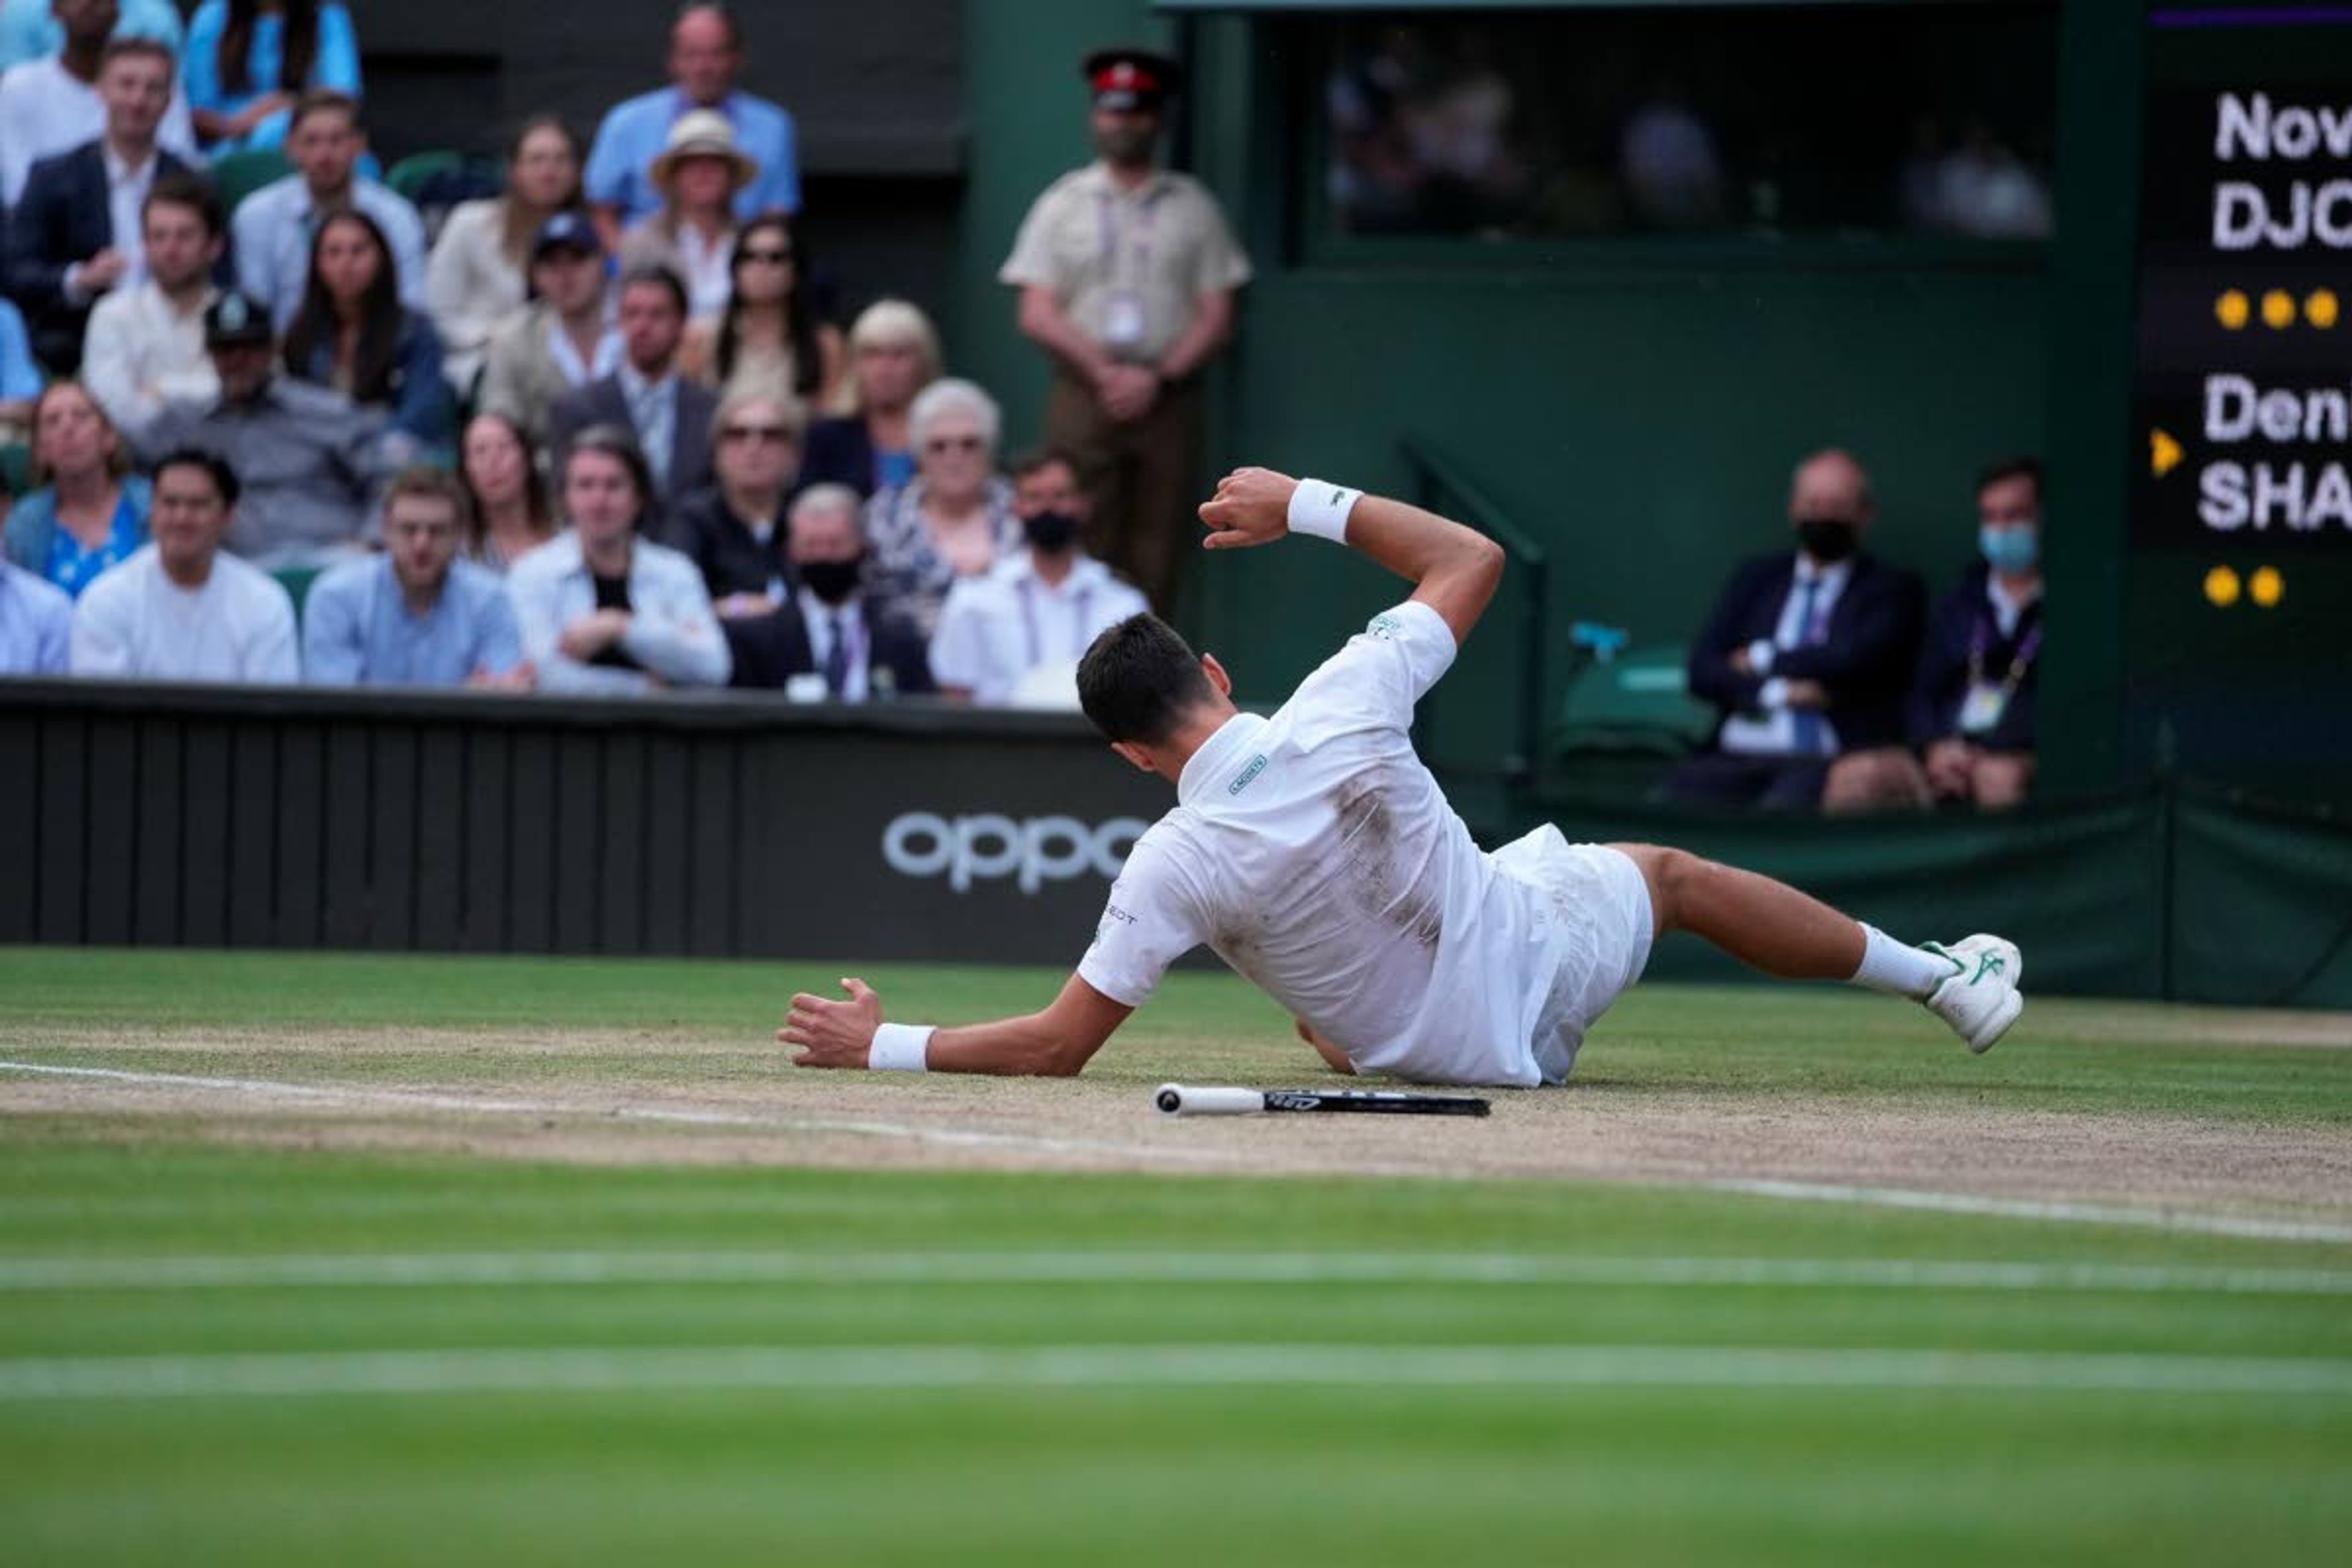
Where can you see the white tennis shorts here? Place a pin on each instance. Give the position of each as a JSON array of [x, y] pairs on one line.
[[1600, 906]]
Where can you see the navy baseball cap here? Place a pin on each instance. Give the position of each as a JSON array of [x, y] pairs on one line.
[[232, 320], [567, 231]]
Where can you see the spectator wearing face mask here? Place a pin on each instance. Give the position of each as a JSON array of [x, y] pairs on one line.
[[1014, 636], [1972, 706], [836, 637], [1808, 655]]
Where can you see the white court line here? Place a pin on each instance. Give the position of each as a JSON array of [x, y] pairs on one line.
[[502, 1270], [424, 1099], [2038, 1208], [1257, 1366], [1818, 1192]]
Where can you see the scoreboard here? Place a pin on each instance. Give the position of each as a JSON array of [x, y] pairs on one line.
[[2238, 616]]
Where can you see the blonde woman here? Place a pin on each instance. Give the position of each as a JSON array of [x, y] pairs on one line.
[[894, 353], [477, 276]]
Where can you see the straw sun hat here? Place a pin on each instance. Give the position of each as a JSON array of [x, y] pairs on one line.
[[703, 133]]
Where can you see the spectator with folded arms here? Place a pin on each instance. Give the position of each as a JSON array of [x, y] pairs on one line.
[[602, 610], [419, 614]]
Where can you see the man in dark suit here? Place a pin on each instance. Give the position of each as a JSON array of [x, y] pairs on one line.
[[830, 641], [672, 415], [75, 234], [1808, 654]]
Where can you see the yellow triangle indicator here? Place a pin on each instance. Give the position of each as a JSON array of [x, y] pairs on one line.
[[2163, 453]]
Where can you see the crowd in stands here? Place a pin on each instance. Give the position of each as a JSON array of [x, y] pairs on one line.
[[1840, 691], [599, 431]]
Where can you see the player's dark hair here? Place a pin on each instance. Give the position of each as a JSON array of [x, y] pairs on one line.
[[1138, 680], [213, 466], [2010, 468]]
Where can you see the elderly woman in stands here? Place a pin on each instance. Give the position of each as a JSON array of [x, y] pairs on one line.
[[693, 234], [87, 512], [602, 610], [954, 518], [476, 278], [351, 333], [768, 341], [511, 514], [894, 353]]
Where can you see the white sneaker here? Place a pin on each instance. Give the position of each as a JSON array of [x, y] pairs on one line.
[[1980, 1000]]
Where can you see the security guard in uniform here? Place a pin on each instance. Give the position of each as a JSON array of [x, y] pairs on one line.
[[1127, 274]]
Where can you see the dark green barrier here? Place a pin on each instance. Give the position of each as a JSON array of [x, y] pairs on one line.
[[2079, 887], [2261, 905]]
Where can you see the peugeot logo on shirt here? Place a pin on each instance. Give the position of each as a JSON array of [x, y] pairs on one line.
[[987, 846]]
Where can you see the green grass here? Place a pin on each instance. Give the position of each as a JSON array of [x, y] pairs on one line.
[[1022, 1471]]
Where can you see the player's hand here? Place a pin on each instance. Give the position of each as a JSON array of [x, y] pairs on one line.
[[834, 1034], [1251, 506]]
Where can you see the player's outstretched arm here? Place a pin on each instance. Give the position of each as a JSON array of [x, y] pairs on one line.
[[1054, 1043], [1455, 569]]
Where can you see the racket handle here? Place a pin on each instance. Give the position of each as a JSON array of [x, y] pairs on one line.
[[1176, 1100]]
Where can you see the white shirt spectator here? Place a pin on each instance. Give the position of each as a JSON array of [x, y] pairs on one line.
[[140, 353], [1316, 855], [36, 622], [135, 623], [673, 635], [45, 110], [470, 287], [271, 233], [998, 627]]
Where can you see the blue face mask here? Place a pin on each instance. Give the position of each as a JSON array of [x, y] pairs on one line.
[[2011, 549]]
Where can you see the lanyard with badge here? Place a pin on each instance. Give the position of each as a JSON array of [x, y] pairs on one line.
[[1987, 701], [1079, 604], [1123, 320]]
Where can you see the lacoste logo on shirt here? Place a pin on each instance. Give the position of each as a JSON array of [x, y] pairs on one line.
[[1248, 774]]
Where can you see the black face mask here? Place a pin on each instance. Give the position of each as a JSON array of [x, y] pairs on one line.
[[833, 581], [1828, 539], [1051, 531]]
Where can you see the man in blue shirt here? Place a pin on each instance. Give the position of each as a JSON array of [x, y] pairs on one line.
[[29, 29], [416, 615], [705, 53], [36, 621]]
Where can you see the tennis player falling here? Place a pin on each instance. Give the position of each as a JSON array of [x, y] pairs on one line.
[[1315, 854]]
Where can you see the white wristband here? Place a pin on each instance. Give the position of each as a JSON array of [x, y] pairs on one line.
[[900, 1048], [1320, 508]]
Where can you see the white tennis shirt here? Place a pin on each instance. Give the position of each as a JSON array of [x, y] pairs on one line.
[[1313, 852]]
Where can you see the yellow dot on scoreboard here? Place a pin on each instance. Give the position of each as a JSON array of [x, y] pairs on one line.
[[2320, 308], [2266, 586], [2232, 309], [2278, 309], [2221, 587]]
